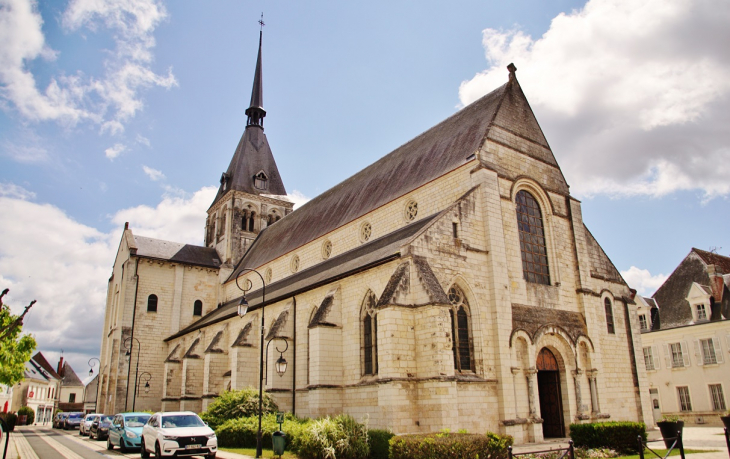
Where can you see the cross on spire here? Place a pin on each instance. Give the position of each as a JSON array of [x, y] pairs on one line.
[[261, 22]]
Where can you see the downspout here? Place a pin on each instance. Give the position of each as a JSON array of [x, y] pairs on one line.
[[131, 340], [294, 363]]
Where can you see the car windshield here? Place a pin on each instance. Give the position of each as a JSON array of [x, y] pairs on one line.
[[181, 420], [106, 418], [135, 421], [76, 415], [90, 417]]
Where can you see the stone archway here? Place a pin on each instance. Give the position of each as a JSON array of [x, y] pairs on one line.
[[551, 400]]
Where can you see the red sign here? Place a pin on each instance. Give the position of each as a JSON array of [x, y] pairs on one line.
[[30, 394]]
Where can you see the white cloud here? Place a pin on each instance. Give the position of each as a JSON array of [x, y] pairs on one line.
[[298, 198], [108, 100], [143, 140], [153, 174], [11, 190], [114, 151], [642, 280], [634, 97], [179, 218]]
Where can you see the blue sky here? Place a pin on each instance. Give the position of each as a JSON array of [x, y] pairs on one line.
[[129, 110]]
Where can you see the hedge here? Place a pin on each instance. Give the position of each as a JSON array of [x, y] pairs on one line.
[[10, 419], [237, 404], [618, 435], [451, 445], [27, 411], [379, 443]]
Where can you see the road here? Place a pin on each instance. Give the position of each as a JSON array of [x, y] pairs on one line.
[[36, 442]]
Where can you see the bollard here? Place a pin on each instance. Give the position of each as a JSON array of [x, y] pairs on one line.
[[571, 449], [509, 452], [641, 446]]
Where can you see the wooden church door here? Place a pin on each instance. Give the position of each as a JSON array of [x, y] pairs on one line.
[[551, 402]]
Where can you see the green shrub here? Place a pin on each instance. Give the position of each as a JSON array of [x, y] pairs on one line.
[[241, 432], [453, 446], [379, 443], [620, 436], [10, 419], [27, 411], [329, 438], [237, 404]]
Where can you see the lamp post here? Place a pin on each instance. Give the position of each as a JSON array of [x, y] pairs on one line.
[[242, 310], [129, 347], [280, 364], [91, 373], [146, 385]]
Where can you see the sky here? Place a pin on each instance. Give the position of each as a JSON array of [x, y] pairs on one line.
[[130, 110]]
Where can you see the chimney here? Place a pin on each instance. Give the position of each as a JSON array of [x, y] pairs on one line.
[[60, 367], [126, 226], [717, 283]]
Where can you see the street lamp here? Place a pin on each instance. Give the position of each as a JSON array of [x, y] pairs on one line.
[[242, 310], [98, 384], [91, 365], [146, 385], [280, 364], [129, 347]]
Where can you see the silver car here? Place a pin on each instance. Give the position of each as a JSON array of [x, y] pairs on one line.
[[85, 426]]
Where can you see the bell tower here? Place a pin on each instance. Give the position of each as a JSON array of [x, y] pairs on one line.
[[251, 195]]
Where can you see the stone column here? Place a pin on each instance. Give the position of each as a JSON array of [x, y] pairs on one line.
[[531, 375], [515, 370], [595, 407], [578, 399]]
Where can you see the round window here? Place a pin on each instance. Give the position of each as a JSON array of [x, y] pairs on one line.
[[269, 274], [411, 210], [365, 232], [326, 249], [295, 263]]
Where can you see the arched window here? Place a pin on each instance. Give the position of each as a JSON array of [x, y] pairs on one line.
[[251, 221], [260, 181], [152, 303], [609, 316], [369, 335], [532, 239], [198, 308], [460, 330]]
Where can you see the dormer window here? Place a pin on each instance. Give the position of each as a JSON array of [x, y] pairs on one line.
[[225, 180], [261, 181], [701, 312]]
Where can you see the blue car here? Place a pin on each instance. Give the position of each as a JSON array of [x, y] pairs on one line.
[[126, 430]]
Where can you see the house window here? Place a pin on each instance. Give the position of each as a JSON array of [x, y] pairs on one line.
[[461, 345], [684, 402], [260, 181], [72, 398], [708, 352], [643, 324], [701, 312], [649, 359], [718, 398], [152, 303], [676, 353], [369, 335], [198, 308], [532, 239], [609, 316]]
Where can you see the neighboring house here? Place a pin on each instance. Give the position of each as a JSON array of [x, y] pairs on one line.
[[39, 390], [451, 284], [90, 394], [6, 398], [686, 339], [71, 397]]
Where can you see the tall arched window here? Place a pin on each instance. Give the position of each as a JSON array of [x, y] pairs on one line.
[[369, 335], [198, 308], [532, 239], [152, 303], [461, 346], [609, 316], [251, 221]]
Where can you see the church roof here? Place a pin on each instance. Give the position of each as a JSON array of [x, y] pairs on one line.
[[432, 154], [148, 247], [363, 257]]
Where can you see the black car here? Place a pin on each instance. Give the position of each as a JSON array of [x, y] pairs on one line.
[[59, 420], [73, 420], [100, 427]]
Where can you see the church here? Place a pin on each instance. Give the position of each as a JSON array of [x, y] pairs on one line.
[[452, 284]]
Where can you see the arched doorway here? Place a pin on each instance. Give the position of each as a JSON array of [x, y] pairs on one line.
[[551, 401]]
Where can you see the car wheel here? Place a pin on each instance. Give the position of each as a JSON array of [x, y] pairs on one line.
[[158, 453], [143, 450], [122, 446], [109, 445], [81, 432], [210, 456]]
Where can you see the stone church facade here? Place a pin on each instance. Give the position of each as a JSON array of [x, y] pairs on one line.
[[451, 284]]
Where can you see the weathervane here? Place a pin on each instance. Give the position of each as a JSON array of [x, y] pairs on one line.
[[261, 22]]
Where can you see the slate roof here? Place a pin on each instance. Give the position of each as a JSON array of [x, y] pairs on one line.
[[432, 154], [373, 253], [176, 252], [40, 359], [712, 258], [650, 302], [69, 378]]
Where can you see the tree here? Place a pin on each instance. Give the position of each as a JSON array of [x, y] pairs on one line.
[[15, 349]]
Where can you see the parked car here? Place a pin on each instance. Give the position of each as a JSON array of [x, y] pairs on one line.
[[100, 427], [86, 424], [126, 430], [73, 420], [59, 420], [179, 434]]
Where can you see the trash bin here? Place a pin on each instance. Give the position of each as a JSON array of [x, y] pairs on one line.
[[278, 439]]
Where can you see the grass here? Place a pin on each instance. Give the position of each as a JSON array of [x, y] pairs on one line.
[[265, 452], [662, 452]]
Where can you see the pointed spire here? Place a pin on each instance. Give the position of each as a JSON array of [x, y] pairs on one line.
[[255, 111]]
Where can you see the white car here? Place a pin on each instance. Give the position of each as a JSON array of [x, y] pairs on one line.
[[179, 434], [85, 426]]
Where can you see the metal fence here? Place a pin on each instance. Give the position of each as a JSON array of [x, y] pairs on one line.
[[568, 452]]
